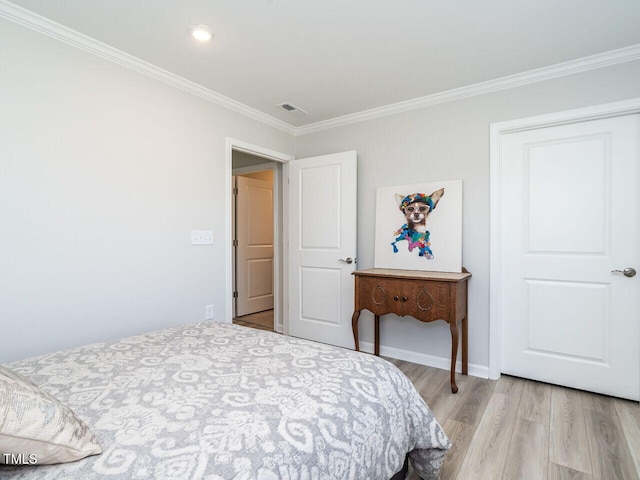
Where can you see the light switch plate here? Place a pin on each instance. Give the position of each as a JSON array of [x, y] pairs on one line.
[[201, 237]]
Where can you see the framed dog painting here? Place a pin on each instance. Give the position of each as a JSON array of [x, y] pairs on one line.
[[419, 227]]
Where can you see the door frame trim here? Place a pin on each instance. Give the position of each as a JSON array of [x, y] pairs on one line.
[[497, 130], [279, 255]]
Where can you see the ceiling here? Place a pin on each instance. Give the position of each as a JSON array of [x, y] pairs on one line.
[[338, 57]]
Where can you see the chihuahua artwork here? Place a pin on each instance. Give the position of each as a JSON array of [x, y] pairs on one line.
[[411, 234], [416, 207]]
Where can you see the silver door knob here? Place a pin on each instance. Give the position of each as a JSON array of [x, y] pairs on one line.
[[627, 272], [348, 260]]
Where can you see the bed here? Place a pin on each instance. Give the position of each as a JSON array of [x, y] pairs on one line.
[[217, 401]]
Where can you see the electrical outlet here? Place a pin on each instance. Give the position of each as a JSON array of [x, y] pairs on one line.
[[208, 312], [201, 237]]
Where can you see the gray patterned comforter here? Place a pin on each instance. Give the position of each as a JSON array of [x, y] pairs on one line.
[[217, 401]]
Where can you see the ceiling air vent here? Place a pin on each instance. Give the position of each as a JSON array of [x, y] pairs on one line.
[[292, 109]]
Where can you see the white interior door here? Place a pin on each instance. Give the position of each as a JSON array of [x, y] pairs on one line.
[[569, 218], [254, 252], [322, 237]]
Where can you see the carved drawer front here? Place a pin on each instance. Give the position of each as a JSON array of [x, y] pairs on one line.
[[427, 301], [379, 295]]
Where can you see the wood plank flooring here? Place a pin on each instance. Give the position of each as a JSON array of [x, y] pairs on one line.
[[260, 320], [516, 429]]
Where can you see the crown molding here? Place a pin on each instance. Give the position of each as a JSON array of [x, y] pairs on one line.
[[48, 27], [55, 30], [592, 62]]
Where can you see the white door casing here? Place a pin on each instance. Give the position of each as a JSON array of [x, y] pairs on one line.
[[280, 230], [322, 231], [568, 212], [254, 252]]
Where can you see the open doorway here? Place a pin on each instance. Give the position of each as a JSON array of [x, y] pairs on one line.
[[262, 171], [253, 241]]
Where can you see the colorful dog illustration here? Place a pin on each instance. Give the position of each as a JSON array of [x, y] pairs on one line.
[[416, 207]]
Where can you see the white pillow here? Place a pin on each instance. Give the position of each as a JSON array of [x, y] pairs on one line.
[[35, 428]]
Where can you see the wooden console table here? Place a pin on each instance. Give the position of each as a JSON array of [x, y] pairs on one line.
[[425, 296]]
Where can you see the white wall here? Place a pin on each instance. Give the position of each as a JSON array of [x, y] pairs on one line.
[[446, 142], [103, 173]]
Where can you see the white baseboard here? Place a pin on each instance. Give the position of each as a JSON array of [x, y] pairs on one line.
[[480, 371]]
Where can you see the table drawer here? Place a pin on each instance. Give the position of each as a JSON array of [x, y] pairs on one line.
[[378, 295], [427, 301]]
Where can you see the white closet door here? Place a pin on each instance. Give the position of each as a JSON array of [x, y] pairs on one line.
[[570, 218]]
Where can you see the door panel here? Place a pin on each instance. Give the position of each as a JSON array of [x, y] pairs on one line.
[[319, 289], [566, 308], [566, 212], [569, 210], [320, 207], [322, 230]]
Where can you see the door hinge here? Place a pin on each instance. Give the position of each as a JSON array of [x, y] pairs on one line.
[[235, 294], [235, 190], [235, 243]]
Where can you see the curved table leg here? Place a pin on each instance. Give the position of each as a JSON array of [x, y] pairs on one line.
[[354, 327], [454, 354]]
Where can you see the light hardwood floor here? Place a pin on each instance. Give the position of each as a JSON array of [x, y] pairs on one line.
[[516, 429], [260, 320]]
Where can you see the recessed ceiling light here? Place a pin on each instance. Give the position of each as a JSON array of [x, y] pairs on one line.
[[201, 32]]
